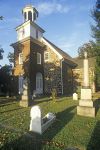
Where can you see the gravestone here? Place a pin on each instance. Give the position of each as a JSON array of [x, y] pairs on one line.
[[35, 124], [39, 124], [86, 107], [75, 96], [25, 98]]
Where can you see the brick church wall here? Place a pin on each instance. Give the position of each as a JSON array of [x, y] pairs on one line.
[[25, 49], [20, 69], [29, 48]]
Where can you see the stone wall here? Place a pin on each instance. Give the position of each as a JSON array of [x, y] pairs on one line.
[[34, 67], [52, 73], [20, 69], [67, 79], [29, 47]]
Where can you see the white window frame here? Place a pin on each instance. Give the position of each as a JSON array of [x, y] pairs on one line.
[[39, 83], [46, 53], [20, 58], [38, 58], [21, 84]]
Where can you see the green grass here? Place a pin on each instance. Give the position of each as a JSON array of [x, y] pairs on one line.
[[69, 130]]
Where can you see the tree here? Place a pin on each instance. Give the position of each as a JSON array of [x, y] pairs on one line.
[[1, 17], [6, 79], [87, 47], [11, 57], [96, 35], [1, 51]]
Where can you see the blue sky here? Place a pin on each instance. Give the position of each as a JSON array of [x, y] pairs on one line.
[[66, 22]]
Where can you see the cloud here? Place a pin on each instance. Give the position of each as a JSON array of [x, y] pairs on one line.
[[69, 43], [48, 8]]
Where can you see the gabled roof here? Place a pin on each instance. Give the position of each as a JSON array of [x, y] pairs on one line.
[[32, 23], [66, 57]]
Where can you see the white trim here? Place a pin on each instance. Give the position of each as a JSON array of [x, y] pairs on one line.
[[20, 58], [22, 25], [39, 83], [51, 47], [31, 23], [45, 57]]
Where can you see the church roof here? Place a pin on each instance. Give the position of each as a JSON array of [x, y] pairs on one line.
[[32, 23], [80, 62], [67, 57]]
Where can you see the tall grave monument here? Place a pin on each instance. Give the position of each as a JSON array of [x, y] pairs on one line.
[[86, 107], [25, 98]]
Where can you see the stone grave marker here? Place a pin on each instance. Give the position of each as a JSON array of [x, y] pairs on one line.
[[39, 124], [75, 96], [86, 106]]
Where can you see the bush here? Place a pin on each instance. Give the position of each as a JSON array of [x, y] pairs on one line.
[[54, 94]]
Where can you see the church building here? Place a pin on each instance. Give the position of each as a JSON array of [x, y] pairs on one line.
[[46, 66]]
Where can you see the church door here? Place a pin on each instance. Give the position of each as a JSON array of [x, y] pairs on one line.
[[39, 83]]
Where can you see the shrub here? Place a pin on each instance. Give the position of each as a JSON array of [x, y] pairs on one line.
[[54, 94]]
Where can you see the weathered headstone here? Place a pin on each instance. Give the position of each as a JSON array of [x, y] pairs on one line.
[[85, 107], [75, 96], [39, 124], [36, 118], [25, 98]]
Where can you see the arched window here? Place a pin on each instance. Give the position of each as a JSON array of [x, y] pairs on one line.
[[30, 15], [38, 58], [25, 15], [34, 14]]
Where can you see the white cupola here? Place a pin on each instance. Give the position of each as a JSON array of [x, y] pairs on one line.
[[29, 28], [30, 13]]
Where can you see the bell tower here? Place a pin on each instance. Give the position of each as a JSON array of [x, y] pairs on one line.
[[29, 54], [29, 28], [30, 13]]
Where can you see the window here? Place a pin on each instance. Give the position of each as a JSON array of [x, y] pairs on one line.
[[25, 15], [20, 58], [38, 58], [36, 34], [39, 83], [34, 14], [20, 84], [46, 56], [30, 15]]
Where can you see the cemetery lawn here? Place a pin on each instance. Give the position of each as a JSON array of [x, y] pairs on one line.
[[69, 130]]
